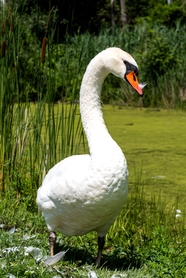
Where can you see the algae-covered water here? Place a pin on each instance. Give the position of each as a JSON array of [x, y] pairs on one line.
[[154, 143]]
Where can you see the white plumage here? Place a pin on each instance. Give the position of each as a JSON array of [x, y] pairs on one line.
[[84, 193]]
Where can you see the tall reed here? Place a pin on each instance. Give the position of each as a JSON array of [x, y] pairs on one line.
[[33, 136]]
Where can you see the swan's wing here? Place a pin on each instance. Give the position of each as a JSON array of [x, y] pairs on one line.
[[63, 179], [68, 172], [69, 166]]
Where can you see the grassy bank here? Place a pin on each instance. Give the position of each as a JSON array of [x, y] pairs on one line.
[[147, 240]]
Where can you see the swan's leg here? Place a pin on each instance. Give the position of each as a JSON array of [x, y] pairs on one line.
[[52, 240], [101, 243]]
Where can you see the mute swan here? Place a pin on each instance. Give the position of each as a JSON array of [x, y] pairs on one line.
[[84, 193]]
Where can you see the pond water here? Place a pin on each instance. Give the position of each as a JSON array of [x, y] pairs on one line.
[[154, 143]]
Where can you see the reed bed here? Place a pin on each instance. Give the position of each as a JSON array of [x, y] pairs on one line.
[[36, 132]]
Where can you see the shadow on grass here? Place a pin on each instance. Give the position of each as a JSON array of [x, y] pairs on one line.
[[113, 261]]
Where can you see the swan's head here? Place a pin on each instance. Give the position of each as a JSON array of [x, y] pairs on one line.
[[123, 65]]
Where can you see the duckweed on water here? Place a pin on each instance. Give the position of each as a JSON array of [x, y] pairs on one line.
[[154, 143]]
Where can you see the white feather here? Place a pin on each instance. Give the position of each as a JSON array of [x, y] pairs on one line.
[[56, 258], [142, 85]]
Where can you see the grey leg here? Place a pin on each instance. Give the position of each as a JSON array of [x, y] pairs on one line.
[[52, 240], [101, 243]]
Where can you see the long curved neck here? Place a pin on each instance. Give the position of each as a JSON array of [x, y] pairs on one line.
[[90, 107]]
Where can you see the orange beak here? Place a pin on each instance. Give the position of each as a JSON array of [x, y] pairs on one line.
[[132, 79]]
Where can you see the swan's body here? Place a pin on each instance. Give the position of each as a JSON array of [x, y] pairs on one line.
[[84, 193]]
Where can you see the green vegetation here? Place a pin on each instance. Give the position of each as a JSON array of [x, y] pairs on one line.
[[40, 125], [30, 134], [158, 49], [145, 241], [148, 237], [71, 17], [153, 141]]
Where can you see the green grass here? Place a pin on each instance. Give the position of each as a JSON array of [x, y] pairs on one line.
[[147, 239], [140, 244]]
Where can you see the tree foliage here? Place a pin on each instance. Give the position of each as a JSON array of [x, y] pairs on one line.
[[80, 16], [88, 15]]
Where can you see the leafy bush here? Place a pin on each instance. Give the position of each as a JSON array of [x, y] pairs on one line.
[[168, 14]]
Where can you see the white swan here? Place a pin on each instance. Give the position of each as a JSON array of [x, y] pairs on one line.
[[84, 193]]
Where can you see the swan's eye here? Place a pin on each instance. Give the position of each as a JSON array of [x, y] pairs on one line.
[[131, 68]]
